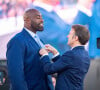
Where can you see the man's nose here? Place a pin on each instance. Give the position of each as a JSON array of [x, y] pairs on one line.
[[42, 20]]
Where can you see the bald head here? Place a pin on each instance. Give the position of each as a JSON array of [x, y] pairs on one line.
[[33, 20], [29, 13]]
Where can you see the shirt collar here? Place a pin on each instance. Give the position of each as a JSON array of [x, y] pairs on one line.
[[30, 32], [75, 47], [47, 7]]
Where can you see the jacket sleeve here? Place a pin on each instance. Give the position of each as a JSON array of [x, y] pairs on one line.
[[55, 58], [60, 65], [15, 62]]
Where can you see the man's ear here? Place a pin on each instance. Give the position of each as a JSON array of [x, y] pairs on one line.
[[27, 20], [76, 38]]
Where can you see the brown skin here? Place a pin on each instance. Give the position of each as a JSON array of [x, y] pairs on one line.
[[33, 20]]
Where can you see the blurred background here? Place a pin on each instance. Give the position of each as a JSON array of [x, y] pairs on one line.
[[65, 13]]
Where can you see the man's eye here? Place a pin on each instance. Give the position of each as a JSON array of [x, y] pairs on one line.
[[38, 17]]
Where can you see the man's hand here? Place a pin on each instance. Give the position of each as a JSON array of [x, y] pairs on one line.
[[51, 49], [43, 52]]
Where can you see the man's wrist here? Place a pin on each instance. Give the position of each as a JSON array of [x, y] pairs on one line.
[[44, 55], [55, 52], [55, 55]]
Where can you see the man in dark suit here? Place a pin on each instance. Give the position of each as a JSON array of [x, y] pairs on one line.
[[73, 65], [24, 69], [92, 80]]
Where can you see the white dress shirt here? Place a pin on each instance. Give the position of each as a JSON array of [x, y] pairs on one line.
[[35, 37]]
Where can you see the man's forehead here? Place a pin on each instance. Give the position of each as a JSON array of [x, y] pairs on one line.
[[37, 13], [72, 31], [32, 12]]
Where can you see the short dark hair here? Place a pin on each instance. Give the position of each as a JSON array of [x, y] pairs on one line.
[[82, 32]]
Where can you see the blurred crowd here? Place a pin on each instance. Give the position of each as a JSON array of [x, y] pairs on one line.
[[13, 8]]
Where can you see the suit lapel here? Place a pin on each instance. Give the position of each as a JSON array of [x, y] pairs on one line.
[[30, 39], [34, 44]]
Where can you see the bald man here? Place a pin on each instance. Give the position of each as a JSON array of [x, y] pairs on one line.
[[24, 68]]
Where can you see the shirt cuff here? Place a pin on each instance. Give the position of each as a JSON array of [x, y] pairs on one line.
[[55, 55], [43, 55]]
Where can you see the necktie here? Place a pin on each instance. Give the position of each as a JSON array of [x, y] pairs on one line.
[[38, 41]]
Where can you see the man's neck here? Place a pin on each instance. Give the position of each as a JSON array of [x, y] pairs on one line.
[[76, 44], [30, 29]]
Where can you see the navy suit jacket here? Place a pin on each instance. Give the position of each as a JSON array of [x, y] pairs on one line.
[[24, 68], [94, 27], [71, 67], [55, 30]]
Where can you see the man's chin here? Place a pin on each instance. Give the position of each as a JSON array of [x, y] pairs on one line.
[[41, 29]]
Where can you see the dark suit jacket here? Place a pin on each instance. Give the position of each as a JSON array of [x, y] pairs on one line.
[[71, 67], [24, 68]]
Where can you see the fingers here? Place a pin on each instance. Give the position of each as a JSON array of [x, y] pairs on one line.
[[51, 49], [48, 46], [43, 52]]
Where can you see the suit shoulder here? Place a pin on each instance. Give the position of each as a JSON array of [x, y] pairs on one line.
[[18, 38], [68, 53]]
